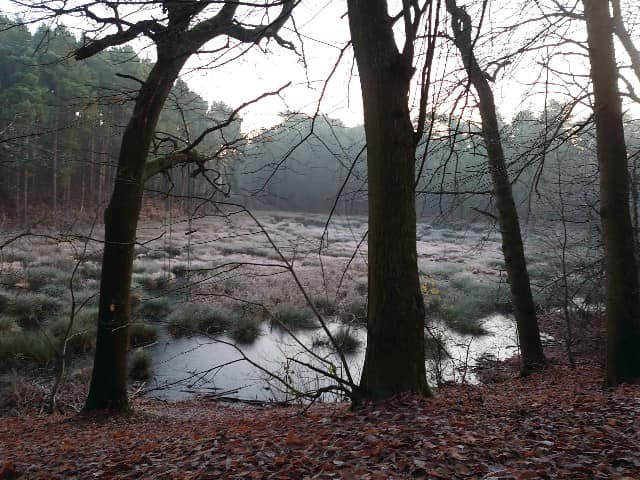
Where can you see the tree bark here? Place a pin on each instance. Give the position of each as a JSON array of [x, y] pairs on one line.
[[394, 359], [621, 274], [532, 356], [108, 389]]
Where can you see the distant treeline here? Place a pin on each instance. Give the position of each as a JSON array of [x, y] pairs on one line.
[[61, 122]]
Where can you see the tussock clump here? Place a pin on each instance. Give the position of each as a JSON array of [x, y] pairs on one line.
[[140, 365], [354, 310], [8, 325], [194, 318], [294, 317], [142, 333], [155, 281], [245, 330], [83, 334], [325, 305], [39, 277], [31, 309], [344, 338], [26, 347], [154, 308]]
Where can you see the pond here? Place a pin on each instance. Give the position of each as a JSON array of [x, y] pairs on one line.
[[230, 262], [199, 365]]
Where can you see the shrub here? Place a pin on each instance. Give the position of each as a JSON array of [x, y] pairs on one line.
[[142, 333], [139, 365], [193, 318], [154, 307], [245, 329], [294, 317]]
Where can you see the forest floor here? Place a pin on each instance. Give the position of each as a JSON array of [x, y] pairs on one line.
[[558, 423]]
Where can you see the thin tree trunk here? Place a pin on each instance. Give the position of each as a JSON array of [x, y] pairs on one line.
[[621, 274], [532, 356], [108, 389], [394, 359], [55, 168]]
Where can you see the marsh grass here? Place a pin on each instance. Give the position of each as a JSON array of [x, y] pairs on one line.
[[245, 330], [354, 310], [294, 317], [325, 305], [27, 347], [83, 335], [155, 281], [40, 277], [142, 333], [139, 365], [344, 338], [155, 308], [31, 309], [194, 318], [9, 325]]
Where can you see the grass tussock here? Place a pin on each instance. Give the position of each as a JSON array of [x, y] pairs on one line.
[[344, 339], [39, 277], [28, 347], [194, 318], [294, 317], [245, 330], [32, 309], [140, 365], [82, 338], [154, 308], [142, 333]]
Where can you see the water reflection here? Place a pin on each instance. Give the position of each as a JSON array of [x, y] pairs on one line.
[[184, 367]]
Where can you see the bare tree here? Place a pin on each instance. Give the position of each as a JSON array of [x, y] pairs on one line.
[[532, 356], [394, 359], [621, 274], [178, 31]]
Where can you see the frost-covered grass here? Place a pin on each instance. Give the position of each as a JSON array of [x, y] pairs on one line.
[[233, 278]]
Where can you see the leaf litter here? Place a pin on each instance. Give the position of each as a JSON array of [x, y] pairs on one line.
[[557, 424]]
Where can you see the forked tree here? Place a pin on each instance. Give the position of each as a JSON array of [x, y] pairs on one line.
[[394, 358], [621, 273], [532, 356], [178, 31]]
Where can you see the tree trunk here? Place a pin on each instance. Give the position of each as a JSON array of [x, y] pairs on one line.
[[108, 389], [54, 167], [621, 275], [394, 359], [532, 356]]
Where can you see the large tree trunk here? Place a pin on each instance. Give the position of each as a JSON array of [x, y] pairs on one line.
[[108, 389], [621, 275], [394, 359], [532, 356]]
